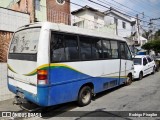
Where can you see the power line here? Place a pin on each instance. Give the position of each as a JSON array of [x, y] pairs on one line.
[[112, 5], [142, 5], [119, 12], [128, 8], [109, 8]]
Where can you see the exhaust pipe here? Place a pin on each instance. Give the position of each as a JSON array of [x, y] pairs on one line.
[[18, 100]]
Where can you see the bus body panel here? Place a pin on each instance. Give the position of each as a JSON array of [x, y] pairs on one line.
[[66, 79], [20, 69]]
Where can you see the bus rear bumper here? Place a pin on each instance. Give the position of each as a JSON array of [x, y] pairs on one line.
[[38, 99]]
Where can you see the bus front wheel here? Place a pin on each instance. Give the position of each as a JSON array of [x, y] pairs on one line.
[[85, 96]]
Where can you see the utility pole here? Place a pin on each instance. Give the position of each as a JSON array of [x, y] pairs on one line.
[[138, 29]]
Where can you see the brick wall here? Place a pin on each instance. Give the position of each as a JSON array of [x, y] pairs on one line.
[[58, 13], [5, 38], [25, 6]]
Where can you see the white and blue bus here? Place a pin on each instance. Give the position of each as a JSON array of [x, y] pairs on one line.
[[50, 64]]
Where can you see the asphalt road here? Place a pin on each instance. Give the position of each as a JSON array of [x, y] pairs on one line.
[[143, 95]]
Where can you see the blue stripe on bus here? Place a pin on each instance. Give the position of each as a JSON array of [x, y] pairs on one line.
[[64, 86]]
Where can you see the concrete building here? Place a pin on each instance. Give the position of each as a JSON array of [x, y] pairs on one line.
[[90, 18], [124, 24], [10, 20], [42, 10]]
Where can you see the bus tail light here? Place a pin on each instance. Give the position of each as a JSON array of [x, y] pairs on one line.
[[42, 77]]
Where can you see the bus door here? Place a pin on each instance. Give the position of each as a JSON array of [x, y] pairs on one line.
[[126, 63], [123, 63]]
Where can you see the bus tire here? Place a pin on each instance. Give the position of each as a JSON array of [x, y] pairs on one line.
[[84, 96], [129, 80]]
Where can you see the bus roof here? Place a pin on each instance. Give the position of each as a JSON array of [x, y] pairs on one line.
[[73, 30]]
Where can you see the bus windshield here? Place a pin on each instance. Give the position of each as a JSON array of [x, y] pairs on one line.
[[25, 41]]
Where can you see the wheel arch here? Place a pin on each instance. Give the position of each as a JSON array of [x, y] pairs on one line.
[[130, 74], [90, 84]]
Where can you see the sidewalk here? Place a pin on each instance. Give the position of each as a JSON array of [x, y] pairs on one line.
[[5, 93], [7, 105]]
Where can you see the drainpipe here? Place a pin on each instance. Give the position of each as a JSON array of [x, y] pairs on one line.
[[33, 12]]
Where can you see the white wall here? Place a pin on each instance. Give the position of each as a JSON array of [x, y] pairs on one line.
[[89, 19], [124, 32], [11, 20], [121, 31], [5, 93]]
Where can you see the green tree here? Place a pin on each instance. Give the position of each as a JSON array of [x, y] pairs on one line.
[[152, 45], [157, 35], [148, 46], [156, 46]]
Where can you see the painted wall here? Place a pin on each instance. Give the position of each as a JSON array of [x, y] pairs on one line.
[[41, 11], [123, 32], [25, 6], [88, 17], [5, 3], [11, 20], [85, 19], [5, 93]]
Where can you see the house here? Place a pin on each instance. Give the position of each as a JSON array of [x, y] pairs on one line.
[[125, 25], [91, 18], [88, 17]]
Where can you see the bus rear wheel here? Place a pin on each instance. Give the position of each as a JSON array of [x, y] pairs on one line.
[[85, 96]]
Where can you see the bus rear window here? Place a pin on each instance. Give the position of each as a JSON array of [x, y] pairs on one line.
[[25, 41]]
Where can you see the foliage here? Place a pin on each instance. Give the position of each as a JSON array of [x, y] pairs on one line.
[[146, 34], [152, 45], [157, 35]]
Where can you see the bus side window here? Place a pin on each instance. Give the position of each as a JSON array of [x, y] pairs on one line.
[[122, 51], [97, 49], [71, 47], [85, 48], [106, 49], [114, 49], [57, 48], [128, 53]]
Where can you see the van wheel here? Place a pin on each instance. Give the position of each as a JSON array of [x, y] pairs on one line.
[[154, 70], [140, 76], [84, 96], [129, 80]]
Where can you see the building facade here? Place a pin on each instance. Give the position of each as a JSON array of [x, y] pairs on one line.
[[90, 18], [42, 10], [10, 20], [124, 25], [58, 11]]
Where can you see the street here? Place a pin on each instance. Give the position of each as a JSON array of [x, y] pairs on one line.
[[143, 95]]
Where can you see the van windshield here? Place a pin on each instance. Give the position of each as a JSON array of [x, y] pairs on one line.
[[137, 61], [25, 41]]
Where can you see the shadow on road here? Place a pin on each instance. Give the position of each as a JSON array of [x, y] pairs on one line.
[[65, 110]]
